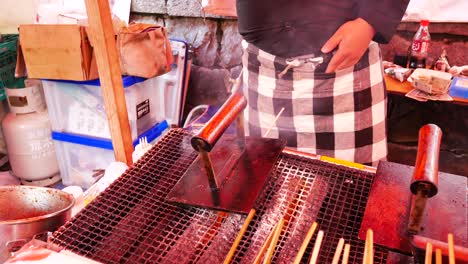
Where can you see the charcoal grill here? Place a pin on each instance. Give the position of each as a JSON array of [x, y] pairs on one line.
[[131, 222]]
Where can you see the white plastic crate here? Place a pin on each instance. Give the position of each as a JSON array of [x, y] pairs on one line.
[[78, 107], [81, 158], [173, 85]]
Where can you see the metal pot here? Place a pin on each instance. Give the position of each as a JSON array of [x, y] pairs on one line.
[[26, 211]]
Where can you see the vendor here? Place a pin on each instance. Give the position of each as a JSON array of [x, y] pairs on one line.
[[321, 62]]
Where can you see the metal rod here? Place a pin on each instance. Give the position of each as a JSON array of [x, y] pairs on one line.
[[460, 252], [418, 206], [209, 169]]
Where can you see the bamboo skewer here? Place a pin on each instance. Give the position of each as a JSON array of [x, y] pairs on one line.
[[318, 243], [338, 250], [276, 232], [260, 253], [239, 236], [306, 241], [438, 256], [347, 247], [451, 249], [428, 254], [274, 241], [274, 122], [369, 248]]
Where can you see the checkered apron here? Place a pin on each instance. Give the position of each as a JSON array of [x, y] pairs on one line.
[[339, 115]]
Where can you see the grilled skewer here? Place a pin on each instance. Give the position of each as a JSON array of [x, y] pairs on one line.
[[306, 241], [239, 236], [317, 245], [338, 250], [451, 249], [274, 241], [438, 256], [347, 248], [262, 250], [428, 254], [369, 248]]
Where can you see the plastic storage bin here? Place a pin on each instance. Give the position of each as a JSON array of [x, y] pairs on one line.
[[78, 107], [82, 158], [459, 87], [172, 86]]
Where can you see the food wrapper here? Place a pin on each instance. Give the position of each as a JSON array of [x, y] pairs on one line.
[[401, 74], [430, 81]]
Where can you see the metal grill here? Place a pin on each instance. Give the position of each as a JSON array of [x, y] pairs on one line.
[[130, 222]]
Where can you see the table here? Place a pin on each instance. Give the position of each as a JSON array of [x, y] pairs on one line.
[[397, 87], [405, 116]]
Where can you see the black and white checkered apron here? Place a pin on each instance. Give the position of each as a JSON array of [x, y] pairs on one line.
[[340, 115]]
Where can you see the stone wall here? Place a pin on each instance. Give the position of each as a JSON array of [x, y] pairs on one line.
[[217, 58]]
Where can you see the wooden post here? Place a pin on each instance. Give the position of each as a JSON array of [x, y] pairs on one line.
[[103, 40]]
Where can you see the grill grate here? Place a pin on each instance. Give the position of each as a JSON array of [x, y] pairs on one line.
[[130, 222]]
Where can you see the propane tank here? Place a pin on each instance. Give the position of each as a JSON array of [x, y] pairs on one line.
[[28, 139]]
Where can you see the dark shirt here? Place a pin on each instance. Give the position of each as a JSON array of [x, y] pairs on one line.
[[290, 28]]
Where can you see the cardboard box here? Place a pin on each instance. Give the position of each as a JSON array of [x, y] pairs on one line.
[[61, 52]]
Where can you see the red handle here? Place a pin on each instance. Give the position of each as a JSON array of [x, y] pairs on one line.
[[427, 160], [207, 137]]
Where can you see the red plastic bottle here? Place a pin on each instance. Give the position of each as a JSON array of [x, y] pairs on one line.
[[420, 46]]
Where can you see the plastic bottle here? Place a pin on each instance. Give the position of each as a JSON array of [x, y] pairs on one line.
[[420, 46]]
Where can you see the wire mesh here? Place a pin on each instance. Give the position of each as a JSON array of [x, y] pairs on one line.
[[130, 222]]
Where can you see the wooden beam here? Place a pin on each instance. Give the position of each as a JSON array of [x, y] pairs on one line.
[[103, 40]]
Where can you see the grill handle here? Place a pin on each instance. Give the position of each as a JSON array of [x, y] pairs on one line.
[[207, 137], [426, 169]]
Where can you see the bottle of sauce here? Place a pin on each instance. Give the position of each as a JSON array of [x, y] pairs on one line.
[[420, 46]]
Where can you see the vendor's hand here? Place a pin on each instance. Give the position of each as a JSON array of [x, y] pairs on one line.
[[352, 40]]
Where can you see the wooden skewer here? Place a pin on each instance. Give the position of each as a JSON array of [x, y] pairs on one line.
[[306, 241], [338, 250], [274, 241], [239, 236], [274, 122], [369, 248], [451, 249], [428, 254], [347, 247], [317, 245], [283, 223], [260, 253], [438, 256]]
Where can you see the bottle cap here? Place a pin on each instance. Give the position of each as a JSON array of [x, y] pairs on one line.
[[424, 22]]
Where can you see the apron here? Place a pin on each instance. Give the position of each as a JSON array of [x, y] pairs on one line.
[[341, 115]]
